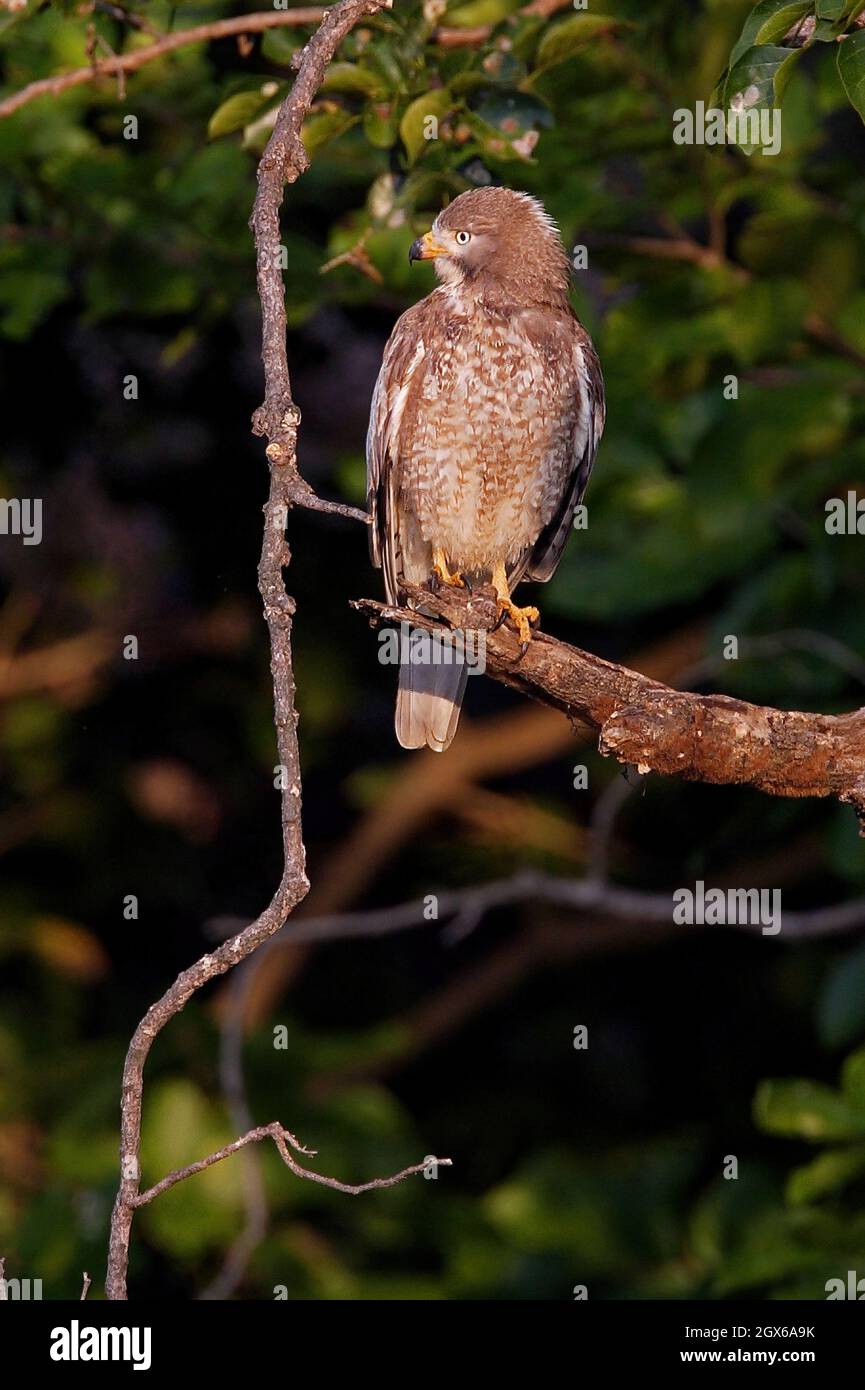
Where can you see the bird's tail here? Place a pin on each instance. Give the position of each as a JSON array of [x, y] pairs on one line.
[[432, 682]]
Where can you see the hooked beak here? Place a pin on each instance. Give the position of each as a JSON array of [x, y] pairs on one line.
[[425, 249]]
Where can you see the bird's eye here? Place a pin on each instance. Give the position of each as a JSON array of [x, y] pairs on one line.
[[463, 238]]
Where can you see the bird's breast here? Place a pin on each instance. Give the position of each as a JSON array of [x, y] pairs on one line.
[[486, 458]]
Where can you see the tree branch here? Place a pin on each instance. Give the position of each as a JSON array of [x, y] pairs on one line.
[[461, 910], [283, 1138], [120, 64], [283, 160], [703, 738], [131, 62]]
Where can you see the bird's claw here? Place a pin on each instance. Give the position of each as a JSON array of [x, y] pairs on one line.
[[523, 619], [442, 575]]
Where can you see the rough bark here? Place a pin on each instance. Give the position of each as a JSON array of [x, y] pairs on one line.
[[643, 723]]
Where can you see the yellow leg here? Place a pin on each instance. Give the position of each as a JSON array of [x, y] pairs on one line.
[[522, 618], [440, 569]]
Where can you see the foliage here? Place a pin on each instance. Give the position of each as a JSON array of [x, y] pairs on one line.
[[762, 59], [708, 271]]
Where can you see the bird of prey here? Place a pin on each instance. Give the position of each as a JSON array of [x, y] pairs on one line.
[[484, 426]]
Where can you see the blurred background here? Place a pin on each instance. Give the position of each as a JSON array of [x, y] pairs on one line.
[[153, 777]]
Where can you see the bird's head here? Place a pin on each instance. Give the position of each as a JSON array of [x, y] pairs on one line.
[[500, 243]]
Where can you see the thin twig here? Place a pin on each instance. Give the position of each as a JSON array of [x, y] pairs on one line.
[[126, 17], [131, 62], [283, 1138], [589, 895]]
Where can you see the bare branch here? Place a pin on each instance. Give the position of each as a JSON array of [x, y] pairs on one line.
[[608, 919], [284, 159], [86, 1281], [302, 495], [285, 1141], [461, 910], [131, 62], [703, 738]]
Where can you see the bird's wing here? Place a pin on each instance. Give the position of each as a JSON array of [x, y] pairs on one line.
[[393, 404], [586, 435]]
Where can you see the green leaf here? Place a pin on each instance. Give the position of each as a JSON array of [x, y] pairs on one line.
[[563, 40], [351, 79], [526, 32], [381, 124], [235, 113], [182, 1124], [467, 82], [479, 12], [257, 133], [412, 127], [851, 69], [841, 1002], [513, 113], [768, 21], [502, 68], [825, 31], [827, 1173], [806, 1110], [26, 298], [500, 144], [325, 126], [830, 9], [280, 46], [758, 80], [382, 59]]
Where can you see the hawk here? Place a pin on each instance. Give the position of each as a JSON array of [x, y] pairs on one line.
[[484, 426]]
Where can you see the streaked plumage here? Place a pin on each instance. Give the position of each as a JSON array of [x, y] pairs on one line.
[[485, 423]]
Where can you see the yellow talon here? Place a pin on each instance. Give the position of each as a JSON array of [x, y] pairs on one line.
[[522, 618], [440, 569]]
